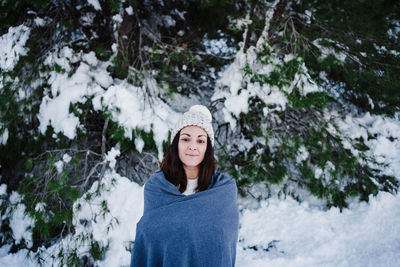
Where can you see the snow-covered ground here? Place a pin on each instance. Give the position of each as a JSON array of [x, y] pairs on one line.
[[278, 233], [287, 233]]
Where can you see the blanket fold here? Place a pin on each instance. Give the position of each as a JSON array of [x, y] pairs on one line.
[[181, 231]]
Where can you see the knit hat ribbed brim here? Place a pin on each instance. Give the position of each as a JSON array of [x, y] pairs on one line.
[[197, 115]]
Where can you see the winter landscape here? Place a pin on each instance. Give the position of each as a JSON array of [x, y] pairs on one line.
[[305, 102]]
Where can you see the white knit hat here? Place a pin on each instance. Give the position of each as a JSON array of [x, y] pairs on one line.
[[198, 115]]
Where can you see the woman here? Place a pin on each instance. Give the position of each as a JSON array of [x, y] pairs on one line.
[[190, 213]]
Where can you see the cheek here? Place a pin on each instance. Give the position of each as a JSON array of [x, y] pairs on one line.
[[181, 149], [203, 150]]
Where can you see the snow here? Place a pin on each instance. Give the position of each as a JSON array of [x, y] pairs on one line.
[[238, 103], [242, 88], [14, 198], [16, 259], [40, 206], [309, 15], [139, 144], [129, 107], [285, 232], [20, 223], [3, 190], [394, 52], [4, 137], [273, 232], [90, 58], [291, 234], [87, 80], [95, 4], [39, 21], [218, 47], [241, 23], [129, 10], [12, 46], [125, 202], [180, 14], [394, 32], [87, 19], [63, 58], [59, 166], [325, 51], [66, 90], [232, 77], [111, 155], [383, 50], [117, 19], [302, 154], [168, 21], [303, 80], [268, 16], [66, 158], [381, 134]]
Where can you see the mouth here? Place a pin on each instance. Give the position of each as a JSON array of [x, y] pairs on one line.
[[191, 155]]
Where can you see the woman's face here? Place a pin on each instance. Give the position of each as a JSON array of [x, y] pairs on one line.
[[192, 146]]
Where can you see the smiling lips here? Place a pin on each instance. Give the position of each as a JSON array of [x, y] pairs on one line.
[[191, 155]]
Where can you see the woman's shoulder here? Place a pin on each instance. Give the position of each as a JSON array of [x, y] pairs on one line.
[[157, 181], [156, 177], [223, 178]]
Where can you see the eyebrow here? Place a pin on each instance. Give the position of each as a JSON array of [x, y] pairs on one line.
[[189, 134]]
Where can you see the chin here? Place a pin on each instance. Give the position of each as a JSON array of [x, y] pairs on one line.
[[191, 164]]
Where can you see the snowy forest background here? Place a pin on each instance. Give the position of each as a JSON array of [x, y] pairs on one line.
[[305, 101]]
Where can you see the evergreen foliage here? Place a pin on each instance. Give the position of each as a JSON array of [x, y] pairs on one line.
[[318, 56], [359, 30]]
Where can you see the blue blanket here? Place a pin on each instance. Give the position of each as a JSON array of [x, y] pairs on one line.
[[181, 231]]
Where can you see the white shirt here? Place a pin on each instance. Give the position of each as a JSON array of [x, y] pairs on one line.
[[191, 186]]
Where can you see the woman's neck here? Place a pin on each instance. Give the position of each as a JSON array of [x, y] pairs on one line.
[[191, 172]]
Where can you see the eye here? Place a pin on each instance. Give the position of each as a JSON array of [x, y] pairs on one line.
[[201, 141], [185, 139]]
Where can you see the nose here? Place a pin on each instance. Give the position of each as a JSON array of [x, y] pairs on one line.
[[192, 146]]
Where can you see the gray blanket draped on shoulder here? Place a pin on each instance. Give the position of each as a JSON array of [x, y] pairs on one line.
[[196, 230]]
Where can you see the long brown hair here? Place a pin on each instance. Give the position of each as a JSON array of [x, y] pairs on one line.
[[172, 167]]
